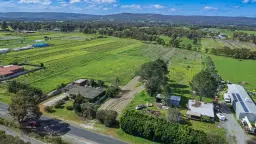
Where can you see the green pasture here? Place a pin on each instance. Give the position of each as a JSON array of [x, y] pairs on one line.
[[189, 41], [236, 71], [101, 59]]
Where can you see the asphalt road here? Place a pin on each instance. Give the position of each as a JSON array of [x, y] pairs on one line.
[[57, 126]]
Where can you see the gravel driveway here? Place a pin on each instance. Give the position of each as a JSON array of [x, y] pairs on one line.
[[232, 126]]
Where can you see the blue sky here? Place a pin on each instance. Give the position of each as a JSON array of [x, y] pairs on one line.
[[245, 8]]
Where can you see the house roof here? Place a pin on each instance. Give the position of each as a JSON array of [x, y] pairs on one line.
[[238, 93], [205, 109], [87, 92], [6, 70]]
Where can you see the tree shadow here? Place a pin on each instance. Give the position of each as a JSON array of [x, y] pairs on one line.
[[53, 127]]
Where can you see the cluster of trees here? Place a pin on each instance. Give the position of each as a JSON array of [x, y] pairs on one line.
[[204, 84], [4, 25], [238, 53], [5, 139], [245, 37], [34, 26], [159, 130], [14, 87], [25, 101], [89, 111], [83, 108], [154, 75]]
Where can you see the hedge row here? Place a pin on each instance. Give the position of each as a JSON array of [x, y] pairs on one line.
[[159, 130]]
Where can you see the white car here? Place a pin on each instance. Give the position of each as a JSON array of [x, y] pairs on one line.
[[221, 116], [227, 98]]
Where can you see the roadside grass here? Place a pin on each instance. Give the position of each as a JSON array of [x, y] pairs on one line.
[[236, 71]]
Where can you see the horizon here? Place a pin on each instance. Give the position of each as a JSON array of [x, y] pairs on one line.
[[133, 13], [230, 8]]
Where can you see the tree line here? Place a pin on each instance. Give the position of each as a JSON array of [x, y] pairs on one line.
[[237, 53]]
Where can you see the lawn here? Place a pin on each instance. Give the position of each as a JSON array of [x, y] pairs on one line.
[[64, 114], [236, 71]]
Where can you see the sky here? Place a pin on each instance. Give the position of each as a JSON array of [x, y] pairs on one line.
[[245, 8]]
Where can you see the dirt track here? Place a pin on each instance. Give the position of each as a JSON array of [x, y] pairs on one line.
[[128, 92]]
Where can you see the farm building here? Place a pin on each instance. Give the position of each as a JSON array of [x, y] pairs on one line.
[[39, 41], [92, 94], [174, 101], [171, 100], [23, 48], [40, 45], [6, 71], [241, 102], [222, 36], [196, 109], [80, 82], [4, 50]]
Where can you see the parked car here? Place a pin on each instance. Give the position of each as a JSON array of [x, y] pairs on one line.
[[139, 107], [221, 116], [227, 98]]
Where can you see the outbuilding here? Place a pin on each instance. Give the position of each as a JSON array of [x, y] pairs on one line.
[[174, 101], [4, 50], [198, 109], [241, 102], [40, 45]]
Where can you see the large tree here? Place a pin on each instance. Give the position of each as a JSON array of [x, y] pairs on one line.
[[154, 75], [204, 84], [4, 25], [24, 105]]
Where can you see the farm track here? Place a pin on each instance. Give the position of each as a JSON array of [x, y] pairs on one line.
[[125, 97]]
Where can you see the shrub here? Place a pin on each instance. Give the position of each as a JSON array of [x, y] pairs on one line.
[[100, 115], [48, 109], [59, 104], [110, 118], [149, 127], [66, 98], [107, 117], [69, 107]]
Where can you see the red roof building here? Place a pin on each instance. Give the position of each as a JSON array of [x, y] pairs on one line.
[[10, 70]]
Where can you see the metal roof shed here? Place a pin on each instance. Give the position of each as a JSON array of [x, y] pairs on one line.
[[242, 103]]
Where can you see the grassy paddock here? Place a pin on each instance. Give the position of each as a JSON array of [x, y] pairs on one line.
[[236, 70]]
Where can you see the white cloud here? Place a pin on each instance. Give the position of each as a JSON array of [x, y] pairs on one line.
[[248, 1], [210, 8], [101, 1], [157, 6], [172, 9], [74, 1], [105, 9], [43, 2], [133, 6]]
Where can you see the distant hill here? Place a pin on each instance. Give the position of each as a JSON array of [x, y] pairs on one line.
[[131, 17]]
